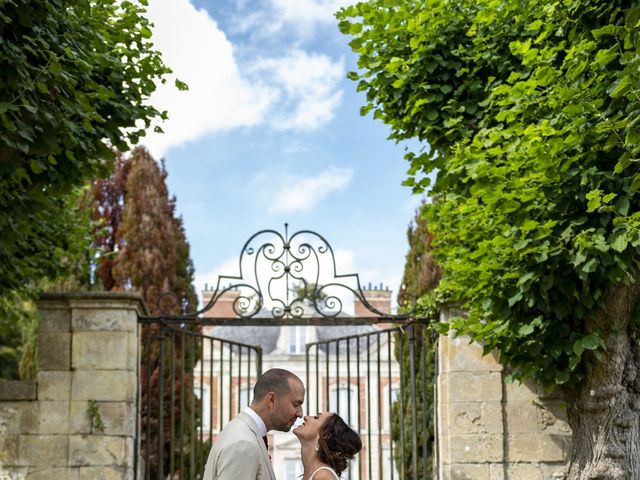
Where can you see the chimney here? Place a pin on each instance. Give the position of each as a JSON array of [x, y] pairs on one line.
[[223, 307], [378, 298]]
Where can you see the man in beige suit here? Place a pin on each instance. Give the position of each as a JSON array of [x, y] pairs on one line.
[[240, 451]]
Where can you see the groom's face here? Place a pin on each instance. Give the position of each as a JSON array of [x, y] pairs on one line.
[[288, 407]]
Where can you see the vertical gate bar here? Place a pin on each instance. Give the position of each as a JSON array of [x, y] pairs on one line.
[[369, 446], [327, 405], [147, 466], [239, 379], [307, 349], [221, 387], [249, 396], [172, 426], [349, 386], [360, 464], [210, 388], [401, 413], [338, 377], [161, 405], [259, 359], [390, 400], [202, 404], [182, 393], [230, 382], [317, 378], [192, 413], [379, 398], [424, 356], [412, 376]]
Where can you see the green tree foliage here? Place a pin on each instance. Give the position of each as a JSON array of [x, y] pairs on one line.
[[74, 78], [142, 247], [531, 112], [421, 276]]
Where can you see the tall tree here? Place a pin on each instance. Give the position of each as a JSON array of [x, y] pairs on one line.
[[74, 80], [143, 248], [421, 275], [531, 113]]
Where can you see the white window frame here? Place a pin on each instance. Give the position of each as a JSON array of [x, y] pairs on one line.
[[297, 339], [344, 390]]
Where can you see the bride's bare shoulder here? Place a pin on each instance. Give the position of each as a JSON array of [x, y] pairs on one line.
[[325, 474]]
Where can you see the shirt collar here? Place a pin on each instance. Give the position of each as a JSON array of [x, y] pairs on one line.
[[262, 428]]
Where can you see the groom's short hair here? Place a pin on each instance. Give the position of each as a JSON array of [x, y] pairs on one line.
[[275, 380]]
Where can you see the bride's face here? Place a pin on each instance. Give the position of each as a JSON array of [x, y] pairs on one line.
[[310, 428]]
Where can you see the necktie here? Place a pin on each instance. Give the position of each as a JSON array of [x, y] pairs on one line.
[[266, 442]]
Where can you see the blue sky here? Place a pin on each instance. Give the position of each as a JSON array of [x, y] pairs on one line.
[[270, 132]]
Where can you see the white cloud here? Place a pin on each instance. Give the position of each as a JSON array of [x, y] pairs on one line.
[[198, 52], [309, 88], [309, 11], [299, 90], [296, 193]]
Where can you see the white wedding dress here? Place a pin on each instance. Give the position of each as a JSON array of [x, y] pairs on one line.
[[324, 468]]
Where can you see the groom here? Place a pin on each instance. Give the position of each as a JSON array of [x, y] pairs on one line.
[[240, 451]]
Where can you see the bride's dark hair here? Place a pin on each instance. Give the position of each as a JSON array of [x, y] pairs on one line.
[[337, 443]]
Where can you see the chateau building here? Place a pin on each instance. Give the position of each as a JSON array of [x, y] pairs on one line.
[[357, 377]]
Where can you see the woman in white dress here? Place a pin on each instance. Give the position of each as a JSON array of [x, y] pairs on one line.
[[327, 444]]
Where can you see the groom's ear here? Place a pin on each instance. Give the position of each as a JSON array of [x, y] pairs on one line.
[[270, 399]]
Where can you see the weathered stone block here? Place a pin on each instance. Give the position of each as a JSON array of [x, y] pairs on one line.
[[54, 418], [537, 448], [524, 471], [17, 390], [474, 386], [474, 448], [100, 350], [54, 385], [467, 472], [13, 473], [45, 473], [118, 418], [103, 385], [475, 417], [96, 450], [102, 319], [102, 473], [9, 450], [467, 357], [54, 316], [54, 351], [132, 350], [43, 450], [10, 418], [30, 418]]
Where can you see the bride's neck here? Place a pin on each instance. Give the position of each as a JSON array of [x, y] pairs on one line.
[[310, 460]]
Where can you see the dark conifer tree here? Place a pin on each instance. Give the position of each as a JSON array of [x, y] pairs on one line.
[[421, 275]]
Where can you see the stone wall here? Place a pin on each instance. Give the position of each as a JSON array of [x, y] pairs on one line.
[[492, 430], [87, 356]]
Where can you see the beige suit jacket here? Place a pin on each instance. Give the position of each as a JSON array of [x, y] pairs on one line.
[[239, 453]]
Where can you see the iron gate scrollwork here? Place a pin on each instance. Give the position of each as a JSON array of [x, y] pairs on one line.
[[200, 368]]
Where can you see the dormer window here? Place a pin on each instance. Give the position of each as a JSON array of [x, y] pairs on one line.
[[297, 339]]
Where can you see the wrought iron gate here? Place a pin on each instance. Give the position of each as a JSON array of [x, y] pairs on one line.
[[198, 370]]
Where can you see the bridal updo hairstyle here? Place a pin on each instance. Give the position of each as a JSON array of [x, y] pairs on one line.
[[337, 443]]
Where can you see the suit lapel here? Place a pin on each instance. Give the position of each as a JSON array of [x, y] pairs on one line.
[[246, 418]]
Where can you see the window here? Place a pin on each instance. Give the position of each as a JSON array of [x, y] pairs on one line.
[[395, 396], [352, 473], [245, 396], [340, 396], [292, 469], [206, 405], [297, 339]]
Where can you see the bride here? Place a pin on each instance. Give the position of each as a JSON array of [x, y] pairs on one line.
[[327, 444]]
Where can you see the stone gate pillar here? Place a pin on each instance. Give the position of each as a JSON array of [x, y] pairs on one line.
[[491, 430], [80, 421]]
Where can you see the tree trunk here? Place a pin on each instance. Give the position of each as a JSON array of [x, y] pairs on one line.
[[604, 409]]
